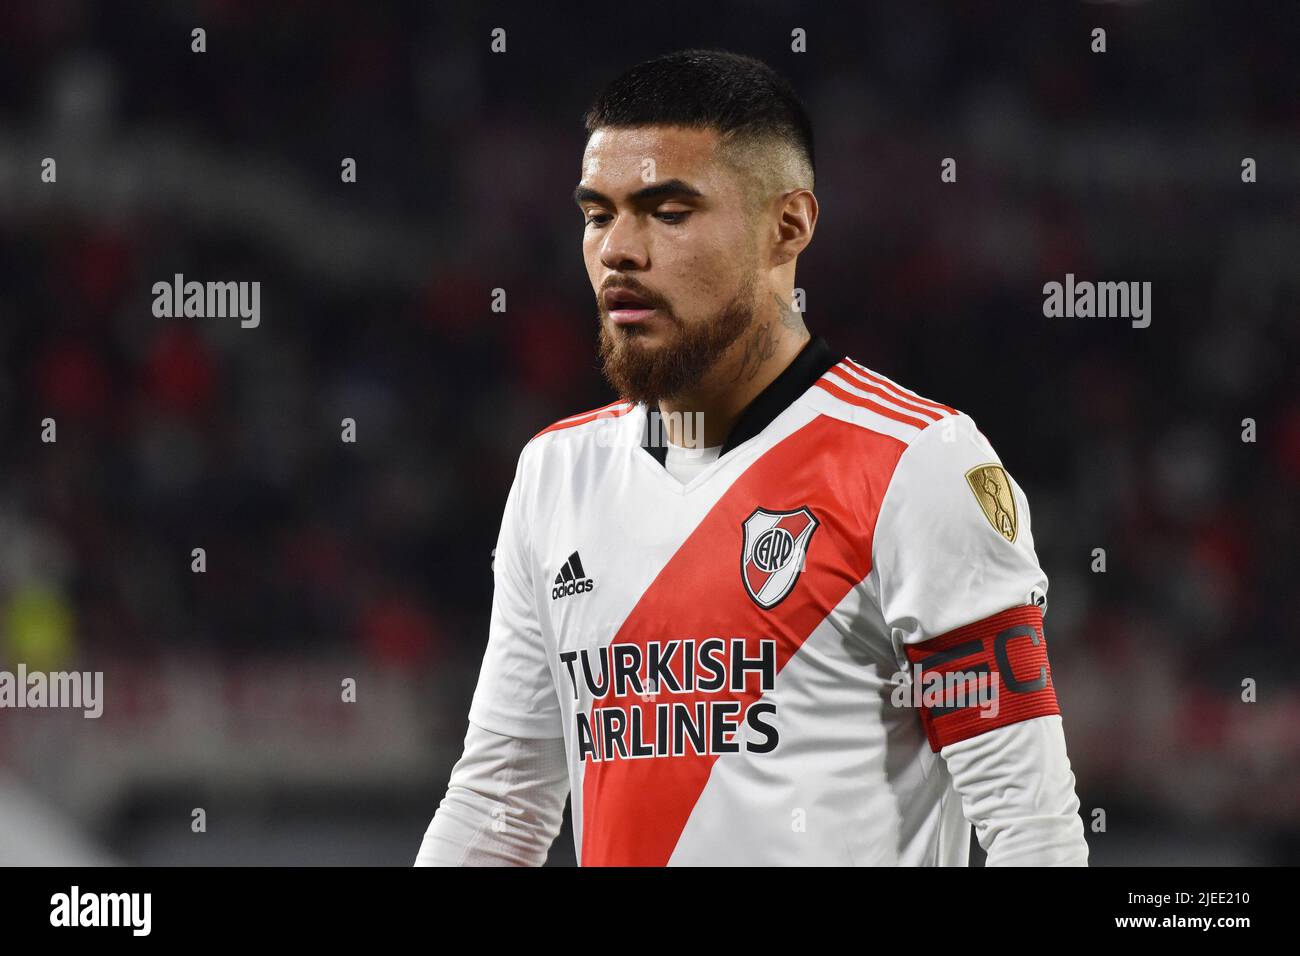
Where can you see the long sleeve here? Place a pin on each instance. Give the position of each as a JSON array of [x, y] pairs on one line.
[[504, 803], [964, 595], [1018, 790], [505, 799]]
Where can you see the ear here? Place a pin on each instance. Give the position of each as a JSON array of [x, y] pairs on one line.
[[796, 219]]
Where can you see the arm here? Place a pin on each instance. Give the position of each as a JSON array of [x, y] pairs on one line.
[[504, 803], [506, 794], [1017, 788], [962, 591]]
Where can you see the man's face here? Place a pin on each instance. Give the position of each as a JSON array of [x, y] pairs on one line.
[[671, 255]]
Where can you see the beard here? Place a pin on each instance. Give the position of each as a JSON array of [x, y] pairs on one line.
[[647, 374]]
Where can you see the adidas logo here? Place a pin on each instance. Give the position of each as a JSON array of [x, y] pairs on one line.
[[571, 579]]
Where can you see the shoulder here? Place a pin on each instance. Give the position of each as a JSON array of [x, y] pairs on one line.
[[949, 486], [944, 464], [852, 392], [552, 458], [615, 409], [563, 443]]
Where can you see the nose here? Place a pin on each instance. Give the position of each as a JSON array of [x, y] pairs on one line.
[[623, 246]]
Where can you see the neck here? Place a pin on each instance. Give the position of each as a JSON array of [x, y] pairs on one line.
[[751, 364]]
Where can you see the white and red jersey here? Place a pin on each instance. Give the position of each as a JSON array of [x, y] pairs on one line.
[[719, 656]]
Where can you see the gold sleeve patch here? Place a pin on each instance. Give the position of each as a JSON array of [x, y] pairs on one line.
[[992, 490]]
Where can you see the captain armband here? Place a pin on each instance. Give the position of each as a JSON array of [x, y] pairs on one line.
[[985, 675]]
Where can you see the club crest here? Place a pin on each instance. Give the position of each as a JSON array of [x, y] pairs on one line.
[[775, 549]]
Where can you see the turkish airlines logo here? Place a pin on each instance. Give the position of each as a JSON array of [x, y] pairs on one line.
[[775, 552]]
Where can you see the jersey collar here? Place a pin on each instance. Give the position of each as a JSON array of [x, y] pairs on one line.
[[812, 362]]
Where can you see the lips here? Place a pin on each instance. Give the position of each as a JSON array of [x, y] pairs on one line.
[[623, 299], [625, 306], [630, 316]]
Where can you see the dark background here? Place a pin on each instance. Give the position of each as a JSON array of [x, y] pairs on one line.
[[329, 560]]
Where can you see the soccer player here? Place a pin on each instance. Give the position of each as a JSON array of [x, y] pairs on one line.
[[735, 608]]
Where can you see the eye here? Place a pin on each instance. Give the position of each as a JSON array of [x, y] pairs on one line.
[[670, 218]]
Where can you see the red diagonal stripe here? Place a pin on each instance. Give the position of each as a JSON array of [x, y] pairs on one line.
[[633, 811]]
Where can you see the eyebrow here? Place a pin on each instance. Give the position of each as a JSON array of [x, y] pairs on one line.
[[669, 187]]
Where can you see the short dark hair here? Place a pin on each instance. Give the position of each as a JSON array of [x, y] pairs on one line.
[[742, 98]]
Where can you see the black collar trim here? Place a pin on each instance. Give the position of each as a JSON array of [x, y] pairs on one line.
[[813, 361]]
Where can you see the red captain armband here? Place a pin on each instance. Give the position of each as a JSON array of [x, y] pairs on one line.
[[982, 676]]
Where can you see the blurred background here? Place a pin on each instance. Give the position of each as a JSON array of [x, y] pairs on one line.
[[328, 560]]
